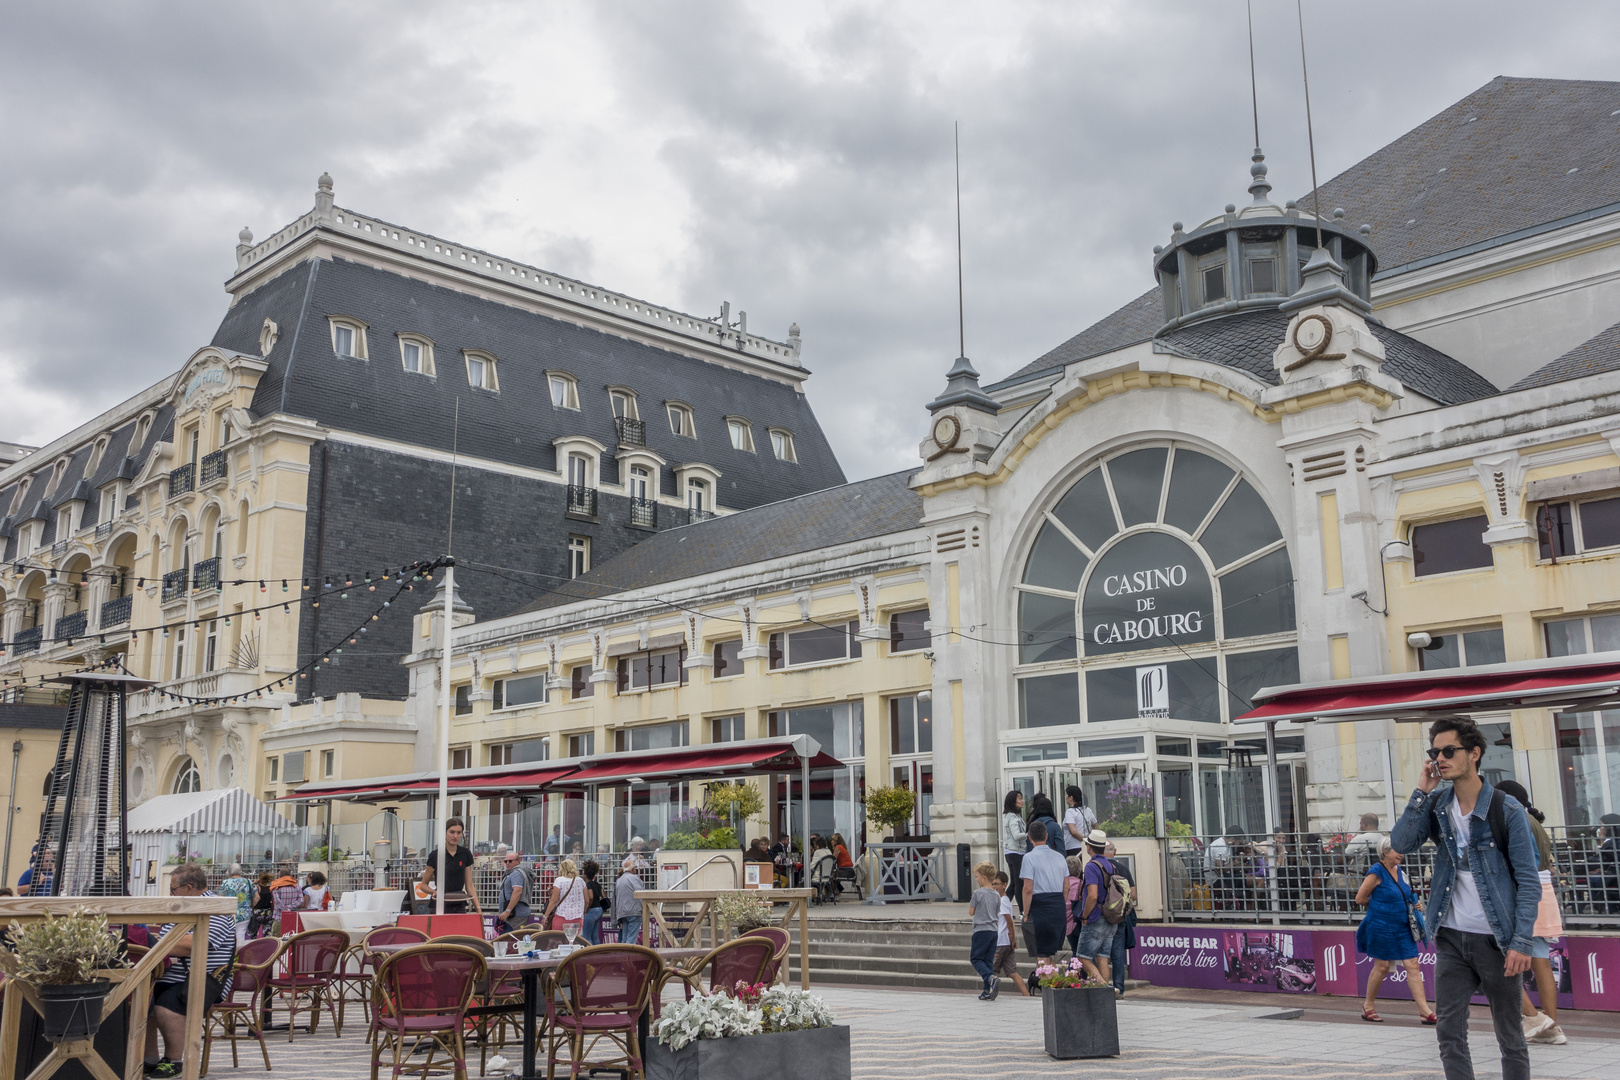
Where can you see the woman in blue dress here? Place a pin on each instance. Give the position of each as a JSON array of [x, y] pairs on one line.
[[1390, 931]]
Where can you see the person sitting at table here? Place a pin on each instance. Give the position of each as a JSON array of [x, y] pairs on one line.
[[841, 856], [169, 1004], [757, 851]]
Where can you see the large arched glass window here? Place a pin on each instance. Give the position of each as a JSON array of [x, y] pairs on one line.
[[186, 778], [1159, 586]]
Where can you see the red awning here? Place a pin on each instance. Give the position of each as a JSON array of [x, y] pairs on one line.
[[704, 762], [529, 778], [1584, 683]]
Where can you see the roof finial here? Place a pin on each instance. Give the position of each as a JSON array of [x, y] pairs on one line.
[[1259, 186], [323, 197], [325, 182]]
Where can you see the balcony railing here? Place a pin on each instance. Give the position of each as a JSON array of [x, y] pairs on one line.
[[183, 480], [213, 467], [174, 585], [104, 530], [59, 549], [581, 500], [71, 626], [643, 512], [116, 612], [694, 515], [205, 575], [631, 432], [28, 640]]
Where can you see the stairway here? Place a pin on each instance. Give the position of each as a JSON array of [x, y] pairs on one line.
[[919, 954]]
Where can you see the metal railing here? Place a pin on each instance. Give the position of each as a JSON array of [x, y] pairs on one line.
[[631, 432], [581, 500], [213, 467], [488, 873], [643, 512], [205, 575], [28, 640], [906, 872], [694, 515], [1315, 878], [104, 530], [175, 584], [59, 549], [116, 611], [71, 626], [182, 480]]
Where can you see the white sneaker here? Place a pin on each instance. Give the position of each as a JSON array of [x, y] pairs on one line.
[[1554, 1036], [1535, 1026]]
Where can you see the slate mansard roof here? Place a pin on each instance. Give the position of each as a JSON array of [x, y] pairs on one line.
[[1515, 154], [1594, 356], [515, 425], [822, 519]]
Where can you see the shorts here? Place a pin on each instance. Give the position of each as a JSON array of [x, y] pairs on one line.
[[172, 996], [1006, 962], [1540, 948], [1096, 939]]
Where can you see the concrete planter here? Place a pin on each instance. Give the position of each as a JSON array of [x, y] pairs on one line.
[[1080, 1022], [816, 1054]]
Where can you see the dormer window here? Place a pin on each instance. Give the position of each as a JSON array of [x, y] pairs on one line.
[[348, 337], [1213, 279], [1262, 275], [96, 453], [680, 420], [143, 427], [623, 403], [416, 354], [58, 471], [742, 435], [65, 525], [481, 371], [564, 390], [782, 445], [697, 496]]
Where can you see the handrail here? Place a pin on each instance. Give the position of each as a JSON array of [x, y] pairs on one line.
[[736, 874]]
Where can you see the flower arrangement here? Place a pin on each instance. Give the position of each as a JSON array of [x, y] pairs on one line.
[[749, 1010], [745, 910], [65, 951], [699, 829], [1070, 976]]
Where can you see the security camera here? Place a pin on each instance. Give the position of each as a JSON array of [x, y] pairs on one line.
[[1421, 640]]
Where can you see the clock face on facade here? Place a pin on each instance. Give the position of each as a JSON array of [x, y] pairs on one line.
[[946, 431]]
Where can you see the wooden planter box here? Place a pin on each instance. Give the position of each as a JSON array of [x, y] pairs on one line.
[[816, 1054], [1080, 1022]]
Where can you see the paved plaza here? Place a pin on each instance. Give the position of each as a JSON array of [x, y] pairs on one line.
[[907, 1034]]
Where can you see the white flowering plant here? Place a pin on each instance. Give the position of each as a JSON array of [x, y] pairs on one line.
[[748, 1010]]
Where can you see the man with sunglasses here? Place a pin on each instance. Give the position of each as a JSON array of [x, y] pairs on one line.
[[514, 913], [1482, 896]]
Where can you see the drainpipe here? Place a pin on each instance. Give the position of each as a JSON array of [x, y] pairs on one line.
[[11, 811]]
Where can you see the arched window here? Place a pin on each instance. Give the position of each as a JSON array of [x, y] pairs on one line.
[[187, 778], [1159, 586]]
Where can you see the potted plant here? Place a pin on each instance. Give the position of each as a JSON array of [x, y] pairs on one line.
[[780, 1032], [744, 911], [891, 808], [60, 957], [1077, 1012]]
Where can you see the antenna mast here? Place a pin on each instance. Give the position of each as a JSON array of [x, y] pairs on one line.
[[1316, 196], [961, 324], [1254, 91]]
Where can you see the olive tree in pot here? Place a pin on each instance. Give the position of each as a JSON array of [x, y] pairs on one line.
[[891, 808], [59, 957]]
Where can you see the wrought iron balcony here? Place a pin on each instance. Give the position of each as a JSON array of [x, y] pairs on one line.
[[175, 583], [631, 432], [28, 640], [213, 467], [643, 512], [694, 515], [205, 575], [104, 530], [582, 500], [183, 480], [59, 549], [116, 612], [71, 626]]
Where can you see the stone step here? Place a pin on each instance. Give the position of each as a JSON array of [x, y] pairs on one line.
[[919, 965], [913, 938], [969, 982], [887, 949]]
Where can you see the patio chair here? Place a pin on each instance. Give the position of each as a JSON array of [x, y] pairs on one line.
[[600, 993], [422, 993], [255, 960], [781, 939], [359, 966], [312, 962], [741, 960]]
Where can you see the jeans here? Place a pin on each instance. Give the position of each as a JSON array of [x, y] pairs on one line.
[[983, 955], [593, 921], [629, 929], [1467, 964], [1116, 958]]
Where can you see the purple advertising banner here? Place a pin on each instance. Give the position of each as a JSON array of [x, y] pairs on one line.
[[1595, 973], [1277, 962]]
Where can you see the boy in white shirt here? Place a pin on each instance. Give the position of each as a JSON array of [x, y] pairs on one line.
[[1006, 954]]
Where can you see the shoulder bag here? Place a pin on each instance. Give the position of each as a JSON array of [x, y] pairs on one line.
[[552, 919]]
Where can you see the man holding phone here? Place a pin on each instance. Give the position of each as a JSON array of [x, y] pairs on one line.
[[1482, 898]]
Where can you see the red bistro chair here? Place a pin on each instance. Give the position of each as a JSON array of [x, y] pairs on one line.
[[422, 993], [255, 961], [600, 993], [782, 941], [741, 960], [359, 966], [312, 963]]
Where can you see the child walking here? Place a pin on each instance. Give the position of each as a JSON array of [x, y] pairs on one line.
[[1006, 954], [986, 908]]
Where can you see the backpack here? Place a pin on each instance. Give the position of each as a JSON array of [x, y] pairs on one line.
[[1116, 897]]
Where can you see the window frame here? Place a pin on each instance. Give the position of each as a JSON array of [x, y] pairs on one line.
[[1411, 541], [357, 329], [570, 390], [579, 555], [719, 666], [733, 727], [580, 685], [897, 637], [734, 424], [700, 486], [328, 764], [424, 346], [491, 366], [1461, 634], [632, 407], [625, 670], [461, 700], [685, 411], [1577, 528], [497, 691], [784, 452], [779, 647]]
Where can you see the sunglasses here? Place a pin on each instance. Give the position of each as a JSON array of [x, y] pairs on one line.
[[1437, 752]]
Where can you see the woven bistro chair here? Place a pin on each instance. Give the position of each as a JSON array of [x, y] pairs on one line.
[[359, 966], [255, 961], [599, 994], [422, 994], [740, 960], [312, 962], [782, 940]]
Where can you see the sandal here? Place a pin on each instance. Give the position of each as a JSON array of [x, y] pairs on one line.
[[1431, 1019], [1371, 1017]]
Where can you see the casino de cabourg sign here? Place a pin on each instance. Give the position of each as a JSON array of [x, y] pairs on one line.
[[1145, 592]]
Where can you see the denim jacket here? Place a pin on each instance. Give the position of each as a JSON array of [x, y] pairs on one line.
[[1509, 909]]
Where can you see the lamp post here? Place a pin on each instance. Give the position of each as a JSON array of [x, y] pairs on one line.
[[11, 811]]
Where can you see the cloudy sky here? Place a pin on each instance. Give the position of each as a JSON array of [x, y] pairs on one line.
[[793, 159]]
